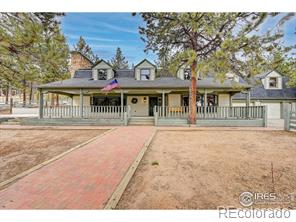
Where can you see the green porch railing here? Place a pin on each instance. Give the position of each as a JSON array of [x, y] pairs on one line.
[[290, 121], [212, 112], [102, 112]]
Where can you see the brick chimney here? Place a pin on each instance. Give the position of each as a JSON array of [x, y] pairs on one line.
[[79, 61]]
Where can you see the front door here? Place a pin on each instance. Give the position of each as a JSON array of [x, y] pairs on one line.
[[153, 101]]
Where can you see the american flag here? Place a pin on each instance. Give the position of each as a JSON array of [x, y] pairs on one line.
[[110, 86]]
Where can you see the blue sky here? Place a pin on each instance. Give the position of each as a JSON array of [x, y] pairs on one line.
[[104, 32]]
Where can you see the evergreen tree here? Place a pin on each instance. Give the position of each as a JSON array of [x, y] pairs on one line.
[[119, 61], [82, 47], [217, 42], [32, 49]]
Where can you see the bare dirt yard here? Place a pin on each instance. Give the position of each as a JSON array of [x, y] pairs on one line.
[[20, 150], [207, 169]]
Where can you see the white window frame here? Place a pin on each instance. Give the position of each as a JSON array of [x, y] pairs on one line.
[[276, 82], [105, 73], [142, 75], [189, 74]]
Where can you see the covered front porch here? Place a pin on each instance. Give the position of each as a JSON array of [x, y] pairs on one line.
[[166, 106]]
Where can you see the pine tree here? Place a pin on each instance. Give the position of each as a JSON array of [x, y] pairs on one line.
[[32, 49], [119, 61], [216, 42], [82, 47]]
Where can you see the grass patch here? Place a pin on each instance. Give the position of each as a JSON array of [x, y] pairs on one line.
[[154, 163]]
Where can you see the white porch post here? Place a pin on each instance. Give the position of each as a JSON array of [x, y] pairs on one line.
[[121, 103], [81, 103], [163, 102], [248, 103], [72, 102], [230, 100], [248, 98], [40, 104], [205, 102]]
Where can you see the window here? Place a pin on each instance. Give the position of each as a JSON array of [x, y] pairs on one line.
[[273, 82], [102, 74], [145, 74], [105, 101], [187, 74], [212, 100]]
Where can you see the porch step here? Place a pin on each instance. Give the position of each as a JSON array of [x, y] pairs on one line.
[[10, 123], [13, 121], [141, 121]]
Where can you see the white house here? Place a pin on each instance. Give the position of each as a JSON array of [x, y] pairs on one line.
[[270, 90]]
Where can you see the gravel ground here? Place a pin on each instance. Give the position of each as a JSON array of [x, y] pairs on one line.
[[207, 169], [20, 150]]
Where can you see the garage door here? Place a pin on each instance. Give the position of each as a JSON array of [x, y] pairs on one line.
[[273, 110]]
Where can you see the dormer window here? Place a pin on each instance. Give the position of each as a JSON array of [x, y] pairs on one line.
[[273, 82], [145, 74], [102, 74], [187, 74]]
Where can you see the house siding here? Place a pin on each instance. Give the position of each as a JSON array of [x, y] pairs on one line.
[[174, 99], [141, 108], [76, 100], [223, 99], [103, 65], [145, 65]]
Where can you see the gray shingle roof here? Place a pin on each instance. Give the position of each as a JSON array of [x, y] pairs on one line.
[[259, 92], [83, 73], [124, 82], [125, 73]]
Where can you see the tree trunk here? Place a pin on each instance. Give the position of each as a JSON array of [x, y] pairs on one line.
[[7, 95], [192, 96], [24, 93], [31, 93], [24, 97]]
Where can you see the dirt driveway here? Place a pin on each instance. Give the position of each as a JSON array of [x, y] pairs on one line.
[[207, 169], [22, 149]]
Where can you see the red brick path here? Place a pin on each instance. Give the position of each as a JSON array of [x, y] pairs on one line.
[[83, 179]]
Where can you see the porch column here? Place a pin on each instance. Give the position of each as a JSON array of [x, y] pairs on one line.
[[163, 102], [72, 105], [40, 104], [230, 100], [248, 98], [121, 103], [205, 103], [248, 104], [81, 103]]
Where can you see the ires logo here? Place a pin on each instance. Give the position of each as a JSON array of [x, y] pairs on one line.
[[248, 199]]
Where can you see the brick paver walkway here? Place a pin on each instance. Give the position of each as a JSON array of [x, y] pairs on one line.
[[84, 178]]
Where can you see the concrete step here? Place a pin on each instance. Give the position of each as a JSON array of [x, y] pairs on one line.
[[141, 121], [10, 123]]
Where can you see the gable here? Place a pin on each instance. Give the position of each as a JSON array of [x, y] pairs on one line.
[[102, 65], [145, 64], [266, 79], [273, 74]]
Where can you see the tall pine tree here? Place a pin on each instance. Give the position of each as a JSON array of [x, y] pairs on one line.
[[32, 49], [82, 47], [217, 42], [119, 61]]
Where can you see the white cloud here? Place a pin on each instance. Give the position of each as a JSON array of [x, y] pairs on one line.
[[118, 28], [93, 38]]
